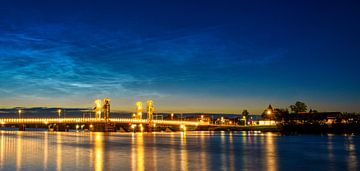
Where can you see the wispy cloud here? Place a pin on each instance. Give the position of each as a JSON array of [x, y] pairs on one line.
[[58, 60]]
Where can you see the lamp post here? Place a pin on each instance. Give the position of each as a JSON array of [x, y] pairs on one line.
[[59, 113], [269, 113], [19, 111], [133, 126]]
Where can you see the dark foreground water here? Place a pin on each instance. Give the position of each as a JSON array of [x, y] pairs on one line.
[[176, 151]]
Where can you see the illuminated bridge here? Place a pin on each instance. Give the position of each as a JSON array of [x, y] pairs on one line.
[[98, 124], [94, 121], [102, 122]]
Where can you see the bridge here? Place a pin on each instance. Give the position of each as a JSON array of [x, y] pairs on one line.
[[4, 121], [98, 124], [102, 122]]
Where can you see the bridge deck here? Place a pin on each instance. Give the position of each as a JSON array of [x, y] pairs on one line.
[[94, 120]]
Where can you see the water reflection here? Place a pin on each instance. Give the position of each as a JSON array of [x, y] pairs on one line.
[[2, 149], [58, 151], [77, 152], [153, 158], [140, 151], [172, 152], [270, 152], [183, 152], [223, 153], [137, 151], [168, 151], [231, 151], [330, 150], [46, 150], [19, 150], [203, 157], [352, 159], [99, 151]]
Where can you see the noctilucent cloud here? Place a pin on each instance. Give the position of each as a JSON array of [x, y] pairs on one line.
[[204, 56]]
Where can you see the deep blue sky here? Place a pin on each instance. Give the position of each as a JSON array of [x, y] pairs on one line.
[[203, 56]]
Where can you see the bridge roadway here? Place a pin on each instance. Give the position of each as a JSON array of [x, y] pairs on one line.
[[4, 121]]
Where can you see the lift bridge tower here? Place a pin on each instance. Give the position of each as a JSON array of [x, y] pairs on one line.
[[150, 110], [102, 109]]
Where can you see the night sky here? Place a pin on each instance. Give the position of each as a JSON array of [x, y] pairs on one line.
[[202, 56]]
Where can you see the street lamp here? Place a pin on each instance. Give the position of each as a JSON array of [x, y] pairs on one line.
[[59, 112], [269, 112], [133, 126], [19, 111]]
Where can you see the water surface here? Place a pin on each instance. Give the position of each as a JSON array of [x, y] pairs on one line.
[[176, 151]]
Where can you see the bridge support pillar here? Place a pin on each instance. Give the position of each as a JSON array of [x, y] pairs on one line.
[[102, 127], [60, 127], [22, 127]]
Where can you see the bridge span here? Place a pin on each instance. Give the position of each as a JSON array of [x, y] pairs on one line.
[[4, 121], [100, 124]]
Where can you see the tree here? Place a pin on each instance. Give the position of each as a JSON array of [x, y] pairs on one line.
[[244, 116], [268, 113], [245, 113], [298, 107], [281, 114]]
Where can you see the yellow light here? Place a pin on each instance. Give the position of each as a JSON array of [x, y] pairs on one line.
[[77, 126], [269, 112], [133, 126], [202, 116], [139, 106], [91, 126]]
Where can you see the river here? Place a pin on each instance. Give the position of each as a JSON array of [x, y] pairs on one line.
[[35, 150]]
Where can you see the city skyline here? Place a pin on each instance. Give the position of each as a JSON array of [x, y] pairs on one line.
[[187, 57]]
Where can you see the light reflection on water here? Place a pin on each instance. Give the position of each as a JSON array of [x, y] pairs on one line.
[[175, 151]]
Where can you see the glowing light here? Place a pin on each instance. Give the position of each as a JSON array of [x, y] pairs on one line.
[[98, 108], [183, 127], [139, 110], [269, 112], [150, 109]]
